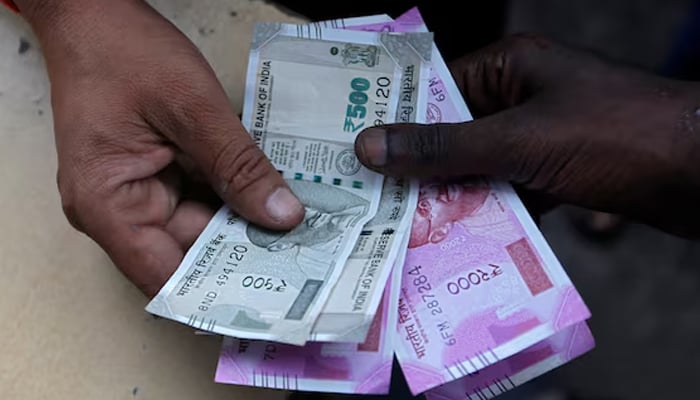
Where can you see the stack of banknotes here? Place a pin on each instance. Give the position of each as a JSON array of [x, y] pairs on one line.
[[454, 279]]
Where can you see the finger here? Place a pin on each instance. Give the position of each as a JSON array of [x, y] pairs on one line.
[[504, 146], [130, 225], [199, 120], [506, 73], [135, 242], [188, 221], [146, 255]]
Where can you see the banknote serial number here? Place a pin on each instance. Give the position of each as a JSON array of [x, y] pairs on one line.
[[428, 298], [425, 290], [356, 113], [235, 256], [473, 278]]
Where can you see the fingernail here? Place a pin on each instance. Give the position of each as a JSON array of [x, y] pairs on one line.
[[283, 206], [373, 146]]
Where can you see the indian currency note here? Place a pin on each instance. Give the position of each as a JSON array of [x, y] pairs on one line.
[[325, 367], [358, 297], [474, 245], [350, 308], [309, 92], [479, 284], [517, 369]]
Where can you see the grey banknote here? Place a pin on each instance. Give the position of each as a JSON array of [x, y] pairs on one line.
[[309, 93]]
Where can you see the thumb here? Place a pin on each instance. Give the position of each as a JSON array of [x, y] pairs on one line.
[[501, 145], [214, 139]]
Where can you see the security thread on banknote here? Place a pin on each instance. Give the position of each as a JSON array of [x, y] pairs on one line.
[[308, 94]]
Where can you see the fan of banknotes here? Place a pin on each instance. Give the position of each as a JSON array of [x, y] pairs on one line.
[[454, 279]]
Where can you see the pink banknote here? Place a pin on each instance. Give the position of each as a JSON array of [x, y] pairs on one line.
[[324, 367], [519, 368], [480, 283]]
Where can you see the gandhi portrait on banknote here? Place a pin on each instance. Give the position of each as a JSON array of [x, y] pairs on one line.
[[311, 245], [440, 206]]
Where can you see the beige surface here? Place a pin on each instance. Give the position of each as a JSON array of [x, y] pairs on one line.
[[73, 327]]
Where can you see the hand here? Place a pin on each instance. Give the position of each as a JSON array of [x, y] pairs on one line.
[[135, 104], [566, 125]]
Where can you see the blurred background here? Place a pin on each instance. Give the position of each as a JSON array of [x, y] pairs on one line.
[[75, 328]]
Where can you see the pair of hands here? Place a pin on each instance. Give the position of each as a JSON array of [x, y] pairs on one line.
[[144, 130]]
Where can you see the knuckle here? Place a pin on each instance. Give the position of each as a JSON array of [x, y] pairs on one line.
[[240, 166]]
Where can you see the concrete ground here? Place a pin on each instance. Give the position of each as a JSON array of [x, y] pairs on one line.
[[74, 328]]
